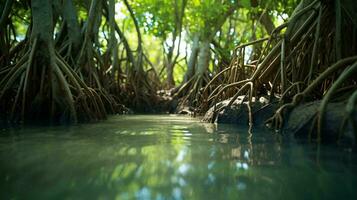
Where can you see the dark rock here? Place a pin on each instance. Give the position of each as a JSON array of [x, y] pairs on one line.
[[297, 123], [301, 119], [185, 111], [238, 113], [264, 113]]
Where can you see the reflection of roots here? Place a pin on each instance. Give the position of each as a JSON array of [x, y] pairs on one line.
[[50, 84]]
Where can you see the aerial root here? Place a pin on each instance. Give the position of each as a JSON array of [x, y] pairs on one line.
[[55, 79], [346, 74]]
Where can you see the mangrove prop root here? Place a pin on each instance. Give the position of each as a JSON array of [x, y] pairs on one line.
[[322, 109]]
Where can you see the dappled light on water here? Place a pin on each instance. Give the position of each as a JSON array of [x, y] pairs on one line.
[[168, 157]]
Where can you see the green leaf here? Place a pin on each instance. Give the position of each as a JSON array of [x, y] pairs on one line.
[[245, 3]]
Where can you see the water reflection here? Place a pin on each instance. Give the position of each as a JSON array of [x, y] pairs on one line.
[[161, 157]]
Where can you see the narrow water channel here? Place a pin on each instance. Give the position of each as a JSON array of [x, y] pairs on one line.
[[169, 157]]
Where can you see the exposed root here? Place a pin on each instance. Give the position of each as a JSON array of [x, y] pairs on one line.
[[308, 41], [51, 89], [351, 71]]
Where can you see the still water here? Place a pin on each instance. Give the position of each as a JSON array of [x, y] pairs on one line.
[[169, 157]]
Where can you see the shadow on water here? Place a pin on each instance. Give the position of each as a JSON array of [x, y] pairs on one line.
[[168, 157]]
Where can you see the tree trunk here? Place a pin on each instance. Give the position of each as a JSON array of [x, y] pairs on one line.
[[113, 40], [42, 28], [139, 65], [176, 34], [5, 14], [193, 59], [5, 9], [40, 96], [170, 74], [204, 57], [267, 22], [70, 16], [170, 62]]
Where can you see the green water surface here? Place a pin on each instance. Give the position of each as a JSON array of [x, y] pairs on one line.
[[169, 157]]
